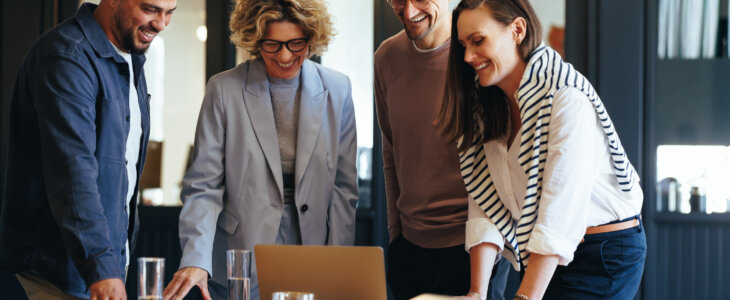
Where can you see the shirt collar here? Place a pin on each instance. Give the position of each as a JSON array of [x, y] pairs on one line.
[[96, 36]]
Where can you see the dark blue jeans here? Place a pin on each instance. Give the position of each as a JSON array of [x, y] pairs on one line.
[[606, 266]]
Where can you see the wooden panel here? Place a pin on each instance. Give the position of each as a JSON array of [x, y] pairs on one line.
[[220, 53], [158, 237], [21, 22], [692, 102], [692, 260], [620, 71]]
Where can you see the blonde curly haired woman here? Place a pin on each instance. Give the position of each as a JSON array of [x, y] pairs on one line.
[[275, 147]]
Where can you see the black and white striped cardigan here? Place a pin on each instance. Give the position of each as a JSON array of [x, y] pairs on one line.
[[545, 74]]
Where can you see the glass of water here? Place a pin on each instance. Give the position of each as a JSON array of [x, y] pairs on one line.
[[239, 274], [292, 296], [151, 276]]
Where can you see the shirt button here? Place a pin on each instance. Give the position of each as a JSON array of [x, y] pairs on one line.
[[127, 118], [304, 208], [126, 162]]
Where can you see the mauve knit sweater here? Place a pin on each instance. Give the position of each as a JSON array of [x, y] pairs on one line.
[[426, 197]]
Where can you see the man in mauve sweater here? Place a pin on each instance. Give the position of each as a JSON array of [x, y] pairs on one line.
[[426, 197]]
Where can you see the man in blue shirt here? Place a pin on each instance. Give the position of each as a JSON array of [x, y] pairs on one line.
[[78, 133]]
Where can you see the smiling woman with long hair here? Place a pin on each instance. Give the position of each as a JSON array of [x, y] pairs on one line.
[[550, 186]]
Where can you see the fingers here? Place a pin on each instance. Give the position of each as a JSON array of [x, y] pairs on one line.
[[204, 291], [174, 286], [188, 283], [108, 289], [184, 280]]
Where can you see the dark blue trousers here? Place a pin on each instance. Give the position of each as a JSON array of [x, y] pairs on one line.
[[606, 266]]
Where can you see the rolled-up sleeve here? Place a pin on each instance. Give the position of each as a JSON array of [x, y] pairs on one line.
[[576, 142], [481, 229]]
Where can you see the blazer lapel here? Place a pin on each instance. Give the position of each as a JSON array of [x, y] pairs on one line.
[[258, 105], [311, 113]]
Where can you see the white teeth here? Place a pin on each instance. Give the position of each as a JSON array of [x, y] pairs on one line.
[[418, 19], [481, 66], [285, 65], [148, 34]]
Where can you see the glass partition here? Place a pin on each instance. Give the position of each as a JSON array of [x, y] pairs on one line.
[[693, 179]]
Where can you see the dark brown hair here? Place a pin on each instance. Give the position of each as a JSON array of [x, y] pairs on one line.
[[465, 100]]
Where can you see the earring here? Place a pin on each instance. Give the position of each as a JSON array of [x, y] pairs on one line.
[[519, 42]]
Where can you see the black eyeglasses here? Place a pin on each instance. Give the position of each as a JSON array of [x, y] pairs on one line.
[[273, 46]]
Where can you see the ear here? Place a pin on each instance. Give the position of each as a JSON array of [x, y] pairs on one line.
[[519, 29], [110, 3]]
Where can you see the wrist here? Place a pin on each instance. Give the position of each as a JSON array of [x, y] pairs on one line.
[[475, 294]]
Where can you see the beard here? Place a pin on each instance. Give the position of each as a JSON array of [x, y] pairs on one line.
[[127, 35], [411, 33], [414, 37]]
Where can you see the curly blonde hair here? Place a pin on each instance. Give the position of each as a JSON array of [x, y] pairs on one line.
[[250, 18]]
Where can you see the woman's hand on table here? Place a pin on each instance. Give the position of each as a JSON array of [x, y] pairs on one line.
[[183, 280]]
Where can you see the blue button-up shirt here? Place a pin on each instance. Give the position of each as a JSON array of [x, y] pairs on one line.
[[64, 217]]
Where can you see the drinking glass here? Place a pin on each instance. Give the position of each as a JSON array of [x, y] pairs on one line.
[[292, 296], [239, 274], [151, 275]]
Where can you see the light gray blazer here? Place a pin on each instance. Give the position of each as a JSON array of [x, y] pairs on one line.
[[233, 192]]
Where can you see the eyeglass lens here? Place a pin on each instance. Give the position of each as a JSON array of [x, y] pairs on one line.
[[399, 4], [294, 45]]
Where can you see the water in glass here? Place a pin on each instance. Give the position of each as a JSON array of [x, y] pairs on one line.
[[238, 288]]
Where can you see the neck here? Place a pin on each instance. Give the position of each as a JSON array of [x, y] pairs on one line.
[[104, 15], [511, 83], [437, 37]]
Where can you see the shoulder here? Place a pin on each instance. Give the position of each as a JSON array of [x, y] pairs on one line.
[[234, 76], [63, 53], [66, 39], [394, 45], [331, 78], [569, 100]]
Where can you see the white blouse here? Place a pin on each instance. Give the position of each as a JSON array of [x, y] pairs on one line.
[[579, 189]]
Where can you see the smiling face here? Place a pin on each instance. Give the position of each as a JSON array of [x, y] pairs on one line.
[[284, 63], [422, 17], [137, 22], [491, 47]]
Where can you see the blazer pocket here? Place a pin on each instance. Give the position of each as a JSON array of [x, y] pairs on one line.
[[228, 222]]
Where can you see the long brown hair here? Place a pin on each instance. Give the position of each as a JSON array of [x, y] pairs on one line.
[[464, 99]]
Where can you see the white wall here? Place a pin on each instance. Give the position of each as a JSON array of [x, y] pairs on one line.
[[351, 52], [551, 13], [184, 86]]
